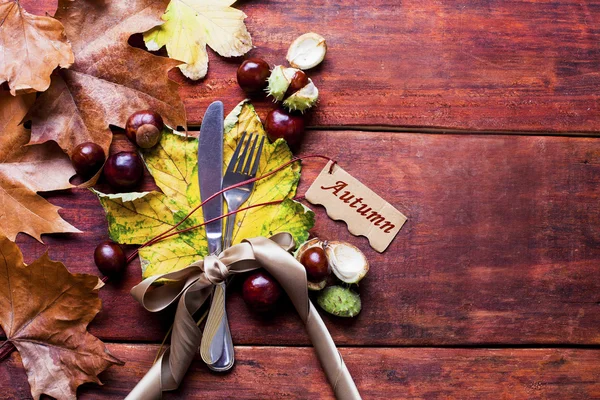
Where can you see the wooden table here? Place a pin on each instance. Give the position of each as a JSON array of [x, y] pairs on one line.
[[476, 119]]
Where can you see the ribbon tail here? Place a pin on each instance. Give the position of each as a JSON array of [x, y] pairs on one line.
[[292, 276], [168, 372], [149, 387], [192, 288], [331, 360]]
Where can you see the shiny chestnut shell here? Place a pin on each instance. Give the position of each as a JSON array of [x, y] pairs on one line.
[[252, 75], [87, 158], [124, 170], [315, 262], [261, 291], [110, 258], [299, 80], [144, 128], [281, 124]]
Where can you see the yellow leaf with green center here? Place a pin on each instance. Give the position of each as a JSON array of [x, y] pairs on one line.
[[135, 218], [173, 163], [190, 25], [289, 216]]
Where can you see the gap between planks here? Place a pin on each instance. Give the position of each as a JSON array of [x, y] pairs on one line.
[[195, 127], [532, 346]]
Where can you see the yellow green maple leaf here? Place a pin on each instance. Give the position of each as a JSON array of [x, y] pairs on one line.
[[135, 218], [190, 25]]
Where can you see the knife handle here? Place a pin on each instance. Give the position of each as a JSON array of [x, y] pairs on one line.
[[216, 347]]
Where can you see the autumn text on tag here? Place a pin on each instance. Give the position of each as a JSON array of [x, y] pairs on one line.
[[346, 198]]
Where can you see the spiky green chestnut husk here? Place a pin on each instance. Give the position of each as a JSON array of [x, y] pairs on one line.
[[279, 81], [278, 84], [339, 301], [303, 99]]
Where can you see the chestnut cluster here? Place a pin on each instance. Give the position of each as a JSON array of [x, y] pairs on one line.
[[123, 171], [252, 76], [346, 262]]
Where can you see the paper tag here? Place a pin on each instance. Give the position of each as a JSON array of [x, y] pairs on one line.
[[346, 198]]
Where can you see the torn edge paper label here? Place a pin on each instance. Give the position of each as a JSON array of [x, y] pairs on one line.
[[346, 198]]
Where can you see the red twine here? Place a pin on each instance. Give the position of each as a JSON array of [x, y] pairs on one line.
[[168, 232]]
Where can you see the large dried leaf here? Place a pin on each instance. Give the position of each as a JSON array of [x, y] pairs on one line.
[[137, 218], [190, 25], [44, 311], [31, 46], [109, 79], [24, 170]]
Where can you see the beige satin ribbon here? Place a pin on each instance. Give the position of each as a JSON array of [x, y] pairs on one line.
[[191, 287]]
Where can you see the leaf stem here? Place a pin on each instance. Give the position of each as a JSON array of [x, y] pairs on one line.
[[6, 348]]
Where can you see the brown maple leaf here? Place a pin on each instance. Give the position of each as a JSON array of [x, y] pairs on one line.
[[109, 79], [44, 311], [32, 47], [25, 170]]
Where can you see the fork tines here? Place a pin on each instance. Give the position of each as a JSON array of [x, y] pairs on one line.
[[242, 164]]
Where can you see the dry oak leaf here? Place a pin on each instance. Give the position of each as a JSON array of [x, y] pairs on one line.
[[32, 47], [109, 80], [190, 25], [44, 311], [24, 171]]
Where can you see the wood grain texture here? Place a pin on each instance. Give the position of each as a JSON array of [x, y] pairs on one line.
[[404, 373], [502, 245], [518, 65]]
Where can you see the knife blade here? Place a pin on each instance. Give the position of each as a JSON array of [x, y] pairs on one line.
[[216, 348], [210, 171]]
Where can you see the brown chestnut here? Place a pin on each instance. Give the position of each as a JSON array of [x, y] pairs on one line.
[[261, 291], [286, 125], [144, 128], [110, 258], [299, 80], [315, 261], [87, 159], [124, 170], [252, 75]]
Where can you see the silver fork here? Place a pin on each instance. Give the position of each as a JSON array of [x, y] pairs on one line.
[[241, 168]]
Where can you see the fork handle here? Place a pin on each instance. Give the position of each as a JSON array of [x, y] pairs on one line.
[[216, 348], [229, 225]]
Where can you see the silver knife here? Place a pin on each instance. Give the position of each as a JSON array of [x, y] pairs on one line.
[[216, 347]]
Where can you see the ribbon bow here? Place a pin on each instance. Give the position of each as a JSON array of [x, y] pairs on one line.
[[191, 286]]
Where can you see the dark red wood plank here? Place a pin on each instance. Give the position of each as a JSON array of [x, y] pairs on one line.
[[276, 372], [502, 245], [518, 65]]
